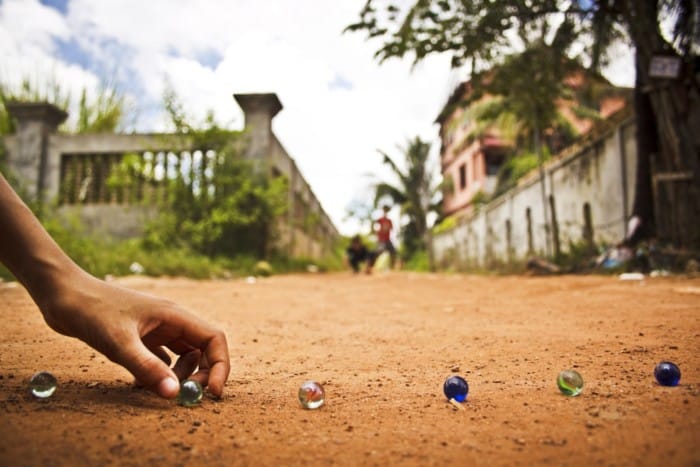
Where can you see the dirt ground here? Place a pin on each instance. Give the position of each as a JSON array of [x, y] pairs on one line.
[[382, 347]]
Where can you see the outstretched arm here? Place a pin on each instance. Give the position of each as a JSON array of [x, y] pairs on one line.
[[130, 328]]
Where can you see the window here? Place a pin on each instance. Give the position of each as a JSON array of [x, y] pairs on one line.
[[492, 168], [462, 176]]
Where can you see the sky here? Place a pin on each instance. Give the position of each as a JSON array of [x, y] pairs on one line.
[[340, 104]]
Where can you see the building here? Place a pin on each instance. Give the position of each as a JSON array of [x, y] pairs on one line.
[[471, 157]]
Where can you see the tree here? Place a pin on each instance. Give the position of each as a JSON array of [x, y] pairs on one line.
[[480, 32], [414, 192]]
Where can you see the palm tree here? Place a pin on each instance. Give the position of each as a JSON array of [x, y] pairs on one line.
[[415, 192]]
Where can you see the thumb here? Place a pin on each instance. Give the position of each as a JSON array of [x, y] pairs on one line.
[[148, 369]]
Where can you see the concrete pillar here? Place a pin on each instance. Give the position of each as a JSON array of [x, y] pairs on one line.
[[259, 110], [29, 161]]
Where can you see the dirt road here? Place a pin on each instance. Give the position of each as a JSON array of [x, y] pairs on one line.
[[382, 346]]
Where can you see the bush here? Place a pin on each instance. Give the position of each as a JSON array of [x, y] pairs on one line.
[[419, 261], [447, 224], [263, 269]]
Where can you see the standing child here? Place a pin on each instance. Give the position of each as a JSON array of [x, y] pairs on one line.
[[383, 230]]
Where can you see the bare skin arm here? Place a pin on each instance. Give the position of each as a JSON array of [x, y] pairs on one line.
[[129, 327]]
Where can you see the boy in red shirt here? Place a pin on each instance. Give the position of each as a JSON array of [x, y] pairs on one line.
[[383, 231]]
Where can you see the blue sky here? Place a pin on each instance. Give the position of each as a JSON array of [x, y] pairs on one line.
[[60, 5], [340, 106]]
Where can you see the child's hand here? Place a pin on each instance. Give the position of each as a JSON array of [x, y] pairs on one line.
[[133, 329]]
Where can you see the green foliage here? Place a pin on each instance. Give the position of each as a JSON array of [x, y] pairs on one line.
[[4, 168], [263, 268], [29, 91], [122, 178], [579, 257], [235, 217], [175, 110], [104, 113], [419, 261], [479, 198], [102, 257], [223, 205], [447, 224], [478, 32], [531, 100], [516, 167], [492, 114]]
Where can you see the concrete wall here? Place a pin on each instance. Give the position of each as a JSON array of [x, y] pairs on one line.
[[599, 174], [307, 230], [59, 144], [111, 220], [310, 231]]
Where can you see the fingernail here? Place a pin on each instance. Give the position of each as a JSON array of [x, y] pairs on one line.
[[168, 387]]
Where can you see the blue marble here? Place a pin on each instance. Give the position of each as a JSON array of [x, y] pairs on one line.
[[667, 374], [456, 388]]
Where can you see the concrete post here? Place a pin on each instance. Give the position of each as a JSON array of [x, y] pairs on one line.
[[29, 162], [259, 110]]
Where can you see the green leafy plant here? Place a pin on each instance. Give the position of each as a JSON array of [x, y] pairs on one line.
[[221, 204], [105, 112]]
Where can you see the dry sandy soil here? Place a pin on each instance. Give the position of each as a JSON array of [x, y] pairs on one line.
[[382, 346]]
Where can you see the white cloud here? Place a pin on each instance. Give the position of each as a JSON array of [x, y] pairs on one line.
[[291, 47], [27, 44], [30, 23]]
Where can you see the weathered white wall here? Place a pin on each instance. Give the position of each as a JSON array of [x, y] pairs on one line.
[[601, 173]]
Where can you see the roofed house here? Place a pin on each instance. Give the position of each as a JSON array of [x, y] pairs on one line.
[[473, 150]]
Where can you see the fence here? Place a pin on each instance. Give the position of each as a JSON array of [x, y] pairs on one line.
[[115, 182]]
